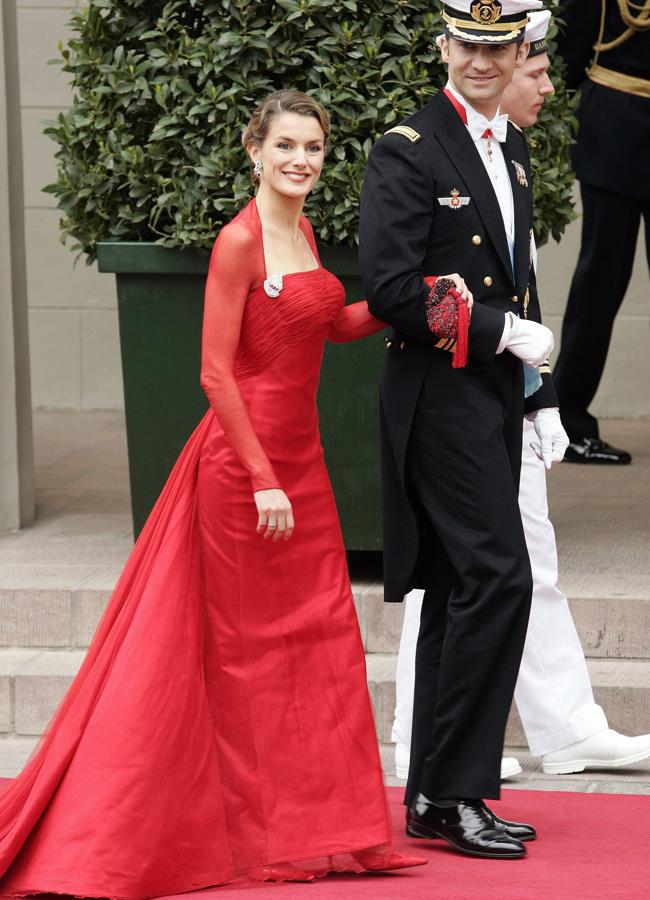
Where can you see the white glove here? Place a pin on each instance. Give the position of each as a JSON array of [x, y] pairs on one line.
[[529, 341], [553, 439]]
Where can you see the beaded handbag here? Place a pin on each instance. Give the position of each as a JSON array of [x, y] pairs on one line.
[[448, 317]]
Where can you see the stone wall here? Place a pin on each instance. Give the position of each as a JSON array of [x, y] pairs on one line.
[[75, 354], [16, 450], [73, 317]]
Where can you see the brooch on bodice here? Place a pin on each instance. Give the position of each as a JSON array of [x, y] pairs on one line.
[[273, 286]]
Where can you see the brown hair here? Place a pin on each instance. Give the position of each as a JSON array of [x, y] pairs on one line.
[[287, 101]]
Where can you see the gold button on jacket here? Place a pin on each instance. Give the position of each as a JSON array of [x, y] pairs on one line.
[[476, 240], [487, 281], [515, 299]]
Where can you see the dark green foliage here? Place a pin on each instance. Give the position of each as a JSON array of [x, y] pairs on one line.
[[150, 149], [550, 145]]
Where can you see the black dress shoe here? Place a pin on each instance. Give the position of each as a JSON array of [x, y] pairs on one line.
[[466, 824], [518, 830], [593, 450]]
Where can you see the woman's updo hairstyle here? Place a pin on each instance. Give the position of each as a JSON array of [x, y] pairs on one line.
[[288, 101]]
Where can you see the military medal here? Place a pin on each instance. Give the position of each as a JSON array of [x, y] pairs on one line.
[[455, 201], [520, 173], [487, 134]]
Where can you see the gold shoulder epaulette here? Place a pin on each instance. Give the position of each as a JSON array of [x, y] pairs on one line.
[[407, 132], [514, 125]]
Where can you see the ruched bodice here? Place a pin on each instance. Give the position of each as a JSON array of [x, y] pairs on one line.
[[303, 312]]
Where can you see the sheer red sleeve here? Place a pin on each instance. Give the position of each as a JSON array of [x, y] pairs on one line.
[[230, 276], [355, 320]]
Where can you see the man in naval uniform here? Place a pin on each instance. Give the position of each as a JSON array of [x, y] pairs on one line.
[[606, 46], [562, 721], [449, 190]]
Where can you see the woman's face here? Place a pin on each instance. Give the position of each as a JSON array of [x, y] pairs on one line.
[[292, 154]]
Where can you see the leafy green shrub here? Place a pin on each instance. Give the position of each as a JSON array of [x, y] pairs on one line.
[[150, 148]]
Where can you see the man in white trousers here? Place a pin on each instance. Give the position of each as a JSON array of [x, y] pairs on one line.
[[563, 723]]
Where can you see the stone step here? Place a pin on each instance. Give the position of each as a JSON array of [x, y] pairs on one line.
[[32, 682], [610, 627], [15, 751], [47, 618], [621, 686]]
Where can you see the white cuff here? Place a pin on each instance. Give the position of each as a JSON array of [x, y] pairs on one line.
[[507, 331]]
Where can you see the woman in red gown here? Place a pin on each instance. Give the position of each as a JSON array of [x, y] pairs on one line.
[[220, 725]]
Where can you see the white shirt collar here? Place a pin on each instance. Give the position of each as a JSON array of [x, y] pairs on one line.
[[472, 114]]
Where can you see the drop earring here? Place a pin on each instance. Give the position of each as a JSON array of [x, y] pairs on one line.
[[257, 168]]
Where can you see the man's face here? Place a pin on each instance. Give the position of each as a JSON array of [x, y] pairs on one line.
[[524, 97], [481, 71]]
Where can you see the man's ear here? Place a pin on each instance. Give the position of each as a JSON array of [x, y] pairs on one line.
[[522, 53], [444, 48]]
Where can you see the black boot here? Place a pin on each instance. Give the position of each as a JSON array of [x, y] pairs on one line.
[[465, 824]]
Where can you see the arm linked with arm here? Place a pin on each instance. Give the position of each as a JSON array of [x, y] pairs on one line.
[[355, 321], [396, 217]]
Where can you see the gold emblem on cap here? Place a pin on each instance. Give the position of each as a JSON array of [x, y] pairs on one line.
[[486, 11]]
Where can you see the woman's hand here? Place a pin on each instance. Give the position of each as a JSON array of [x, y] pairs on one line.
[[462, 289], [275, 517]]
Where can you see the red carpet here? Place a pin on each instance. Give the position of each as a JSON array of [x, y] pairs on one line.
[[590, 847]]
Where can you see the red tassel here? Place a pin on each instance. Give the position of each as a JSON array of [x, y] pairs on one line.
[[459, 356]]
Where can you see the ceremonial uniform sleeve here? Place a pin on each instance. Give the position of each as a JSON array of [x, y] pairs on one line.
[[396, 218], [546, 395], [226, 291], [576, 38]]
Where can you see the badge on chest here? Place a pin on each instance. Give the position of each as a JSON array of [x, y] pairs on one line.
[[455, 201], [520, 172]]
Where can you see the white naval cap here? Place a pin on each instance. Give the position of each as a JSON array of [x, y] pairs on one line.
[[536, 30], [487, 21]]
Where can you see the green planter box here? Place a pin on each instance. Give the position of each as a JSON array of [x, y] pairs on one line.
[[160, 305]]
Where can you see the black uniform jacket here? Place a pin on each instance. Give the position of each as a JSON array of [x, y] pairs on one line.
[[407, 233], [613, 147]]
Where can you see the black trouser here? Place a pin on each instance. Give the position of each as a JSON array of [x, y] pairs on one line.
[[463, 468], [610, 226]]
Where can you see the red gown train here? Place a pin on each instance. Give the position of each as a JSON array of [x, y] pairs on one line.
[[220, 720]]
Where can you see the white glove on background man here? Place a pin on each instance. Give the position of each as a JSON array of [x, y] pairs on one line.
[[553, 439], [529, 341]]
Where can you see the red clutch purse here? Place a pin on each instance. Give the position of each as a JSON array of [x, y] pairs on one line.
[[448, 317]]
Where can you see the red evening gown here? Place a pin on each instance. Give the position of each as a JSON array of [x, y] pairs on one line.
[[221, 719]]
